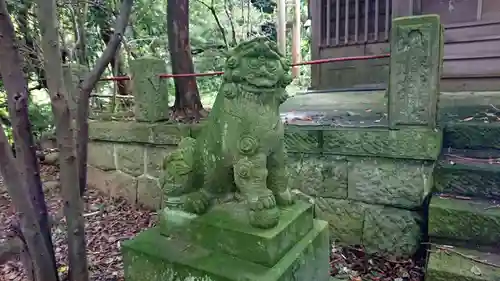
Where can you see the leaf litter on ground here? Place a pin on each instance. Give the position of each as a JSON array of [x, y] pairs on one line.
[[108, 222], [354, 264]]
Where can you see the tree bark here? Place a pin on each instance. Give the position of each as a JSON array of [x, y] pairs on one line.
[[32, 55], [187, 98], [89, 83], [73, 204], [30, 228], [17, 99], [80, 13]]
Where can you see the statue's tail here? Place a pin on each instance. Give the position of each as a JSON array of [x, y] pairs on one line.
[[178, 169]]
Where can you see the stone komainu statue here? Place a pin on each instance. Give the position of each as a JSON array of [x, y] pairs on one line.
[[241, 148]]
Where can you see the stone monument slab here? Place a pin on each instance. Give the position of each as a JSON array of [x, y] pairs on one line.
[[415, 70]]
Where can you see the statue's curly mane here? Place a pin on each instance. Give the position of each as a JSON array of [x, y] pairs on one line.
[[260, 47]]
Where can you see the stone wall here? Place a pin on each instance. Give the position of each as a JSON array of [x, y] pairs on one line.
[[125, 158], [370, 184]]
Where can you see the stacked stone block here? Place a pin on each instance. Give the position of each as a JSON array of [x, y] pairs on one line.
[[368, 183], [125, 158], [464, 210]]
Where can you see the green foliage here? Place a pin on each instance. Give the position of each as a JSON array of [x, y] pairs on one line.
[[265, 6], [215, 27], [40, 116]]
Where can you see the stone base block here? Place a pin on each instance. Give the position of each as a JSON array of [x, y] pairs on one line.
[[230, 221], [464, 220], [454, 265], [154, 257]]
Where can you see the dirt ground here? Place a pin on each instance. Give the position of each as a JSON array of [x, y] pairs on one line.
[[108, 222]]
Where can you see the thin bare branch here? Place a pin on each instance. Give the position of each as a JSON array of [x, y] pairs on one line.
[[212, 10]]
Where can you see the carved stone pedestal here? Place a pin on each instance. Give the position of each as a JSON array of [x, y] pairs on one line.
[[222, 246]]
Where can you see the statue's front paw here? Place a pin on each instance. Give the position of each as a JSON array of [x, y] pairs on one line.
[[265, 218], [285, 198], [196, 202], [263, 212]]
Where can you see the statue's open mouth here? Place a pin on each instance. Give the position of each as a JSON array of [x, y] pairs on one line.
[[259, 85]]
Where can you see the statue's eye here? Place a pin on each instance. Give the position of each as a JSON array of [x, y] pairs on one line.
[[272, 66], [253, 63]]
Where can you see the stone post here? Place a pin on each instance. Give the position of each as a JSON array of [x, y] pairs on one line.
[[415, 71], [73, 73], [150, 92]]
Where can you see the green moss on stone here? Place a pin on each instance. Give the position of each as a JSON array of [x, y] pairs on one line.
[[465, 220], [151, 256], [154, 159], [394, 182], [415, 71], [412, 143], [130, 158], [161, 133], [318, 175], [230, 221], [196, 129], [345, 218], [149, 193], [449, 265], [150, 91], [380, 229], [169, 133], [472, 135], [101, 155], [477, 180], [392, 231], [301, 139]]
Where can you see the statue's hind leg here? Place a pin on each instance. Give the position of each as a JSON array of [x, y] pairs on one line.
[[277, 179], [250, 175]]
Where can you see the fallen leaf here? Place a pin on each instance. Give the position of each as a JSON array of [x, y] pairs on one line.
[[475, 270], [63, 269]]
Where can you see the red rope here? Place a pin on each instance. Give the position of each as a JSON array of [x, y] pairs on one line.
[[215, 73]]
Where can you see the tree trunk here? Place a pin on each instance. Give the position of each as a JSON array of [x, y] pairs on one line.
[[80, 14], [17, 183], [73, 204], [30, 228], [17, 98], [187, 98], [32, 58]]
